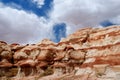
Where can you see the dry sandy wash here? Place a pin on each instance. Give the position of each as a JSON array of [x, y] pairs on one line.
[[87, 54]]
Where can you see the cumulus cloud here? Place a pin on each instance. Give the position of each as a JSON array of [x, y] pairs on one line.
[[22, 27], [81, 13], [116, 20], [39, 3], [26, 27]]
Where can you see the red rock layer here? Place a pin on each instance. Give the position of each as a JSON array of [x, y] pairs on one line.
[[88, 54]]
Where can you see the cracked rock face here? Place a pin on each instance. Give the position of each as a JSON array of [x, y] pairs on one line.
[[87, 54]]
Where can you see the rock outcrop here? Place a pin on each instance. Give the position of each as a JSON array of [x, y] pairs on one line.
[[87, 54]]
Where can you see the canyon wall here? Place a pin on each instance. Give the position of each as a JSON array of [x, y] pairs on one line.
[[87, 54]]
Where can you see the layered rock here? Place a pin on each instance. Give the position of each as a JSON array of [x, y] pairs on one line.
[[87, 54]]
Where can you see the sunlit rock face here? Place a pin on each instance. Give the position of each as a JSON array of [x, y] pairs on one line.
[[87, 54]]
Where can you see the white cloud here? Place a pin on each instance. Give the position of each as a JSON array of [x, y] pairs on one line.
[[116, 20], [39, 3], [81, 13], [22, 27]]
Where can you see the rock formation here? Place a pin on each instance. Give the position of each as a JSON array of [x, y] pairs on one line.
[[87, 54]]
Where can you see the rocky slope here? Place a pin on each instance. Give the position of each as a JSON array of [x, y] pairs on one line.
[[87, 54]]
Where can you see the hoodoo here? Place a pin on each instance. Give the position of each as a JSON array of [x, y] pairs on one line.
[[87, 54]]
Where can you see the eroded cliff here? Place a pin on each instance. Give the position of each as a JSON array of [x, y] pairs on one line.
[[87, 54]]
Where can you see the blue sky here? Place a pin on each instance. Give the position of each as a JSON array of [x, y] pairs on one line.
[[30, 21], [28, 5]]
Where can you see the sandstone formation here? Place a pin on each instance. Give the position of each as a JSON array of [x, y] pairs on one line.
[[87, 54]]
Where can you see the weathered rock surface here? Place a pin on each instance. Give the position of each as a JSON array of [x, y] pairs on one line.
[[88, 54]]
